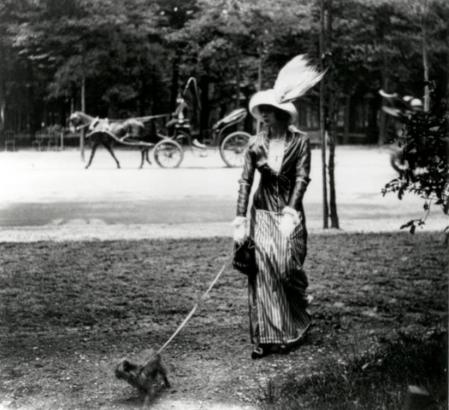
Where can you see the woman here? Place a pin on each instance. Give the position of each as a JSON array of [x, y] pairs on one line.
[[277, 291]]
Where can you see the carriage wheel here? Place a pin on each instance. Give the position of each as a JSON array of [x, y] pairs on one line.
[[168, 154], [232, 148]]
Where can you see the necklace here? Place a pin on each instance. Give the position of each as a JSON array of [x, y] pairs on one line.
[[276, 153]]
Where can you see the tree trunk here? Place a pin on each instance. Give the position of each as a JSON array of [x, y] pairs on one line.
[[174, 82], [322, 118], [332, 192], [34, 106], [382, 115], [2, 104], [382, 44], [332, 138], [447, 77], [259, 80], [425, 61], [83, 109], [204, 115], [332, 141], [237, 85], [373, 127], [2, 88], [347, 111], [331, 170], [143, 101]]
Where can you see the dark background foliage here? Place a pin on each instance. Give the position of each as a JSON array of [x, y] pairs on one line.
[[133, 56]]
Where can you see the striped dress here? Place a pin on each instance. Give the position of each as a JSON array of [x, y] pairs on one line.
[[277, 292]]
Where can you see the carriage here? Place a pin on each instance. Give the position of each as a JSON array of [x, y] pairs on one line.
[[183, 129], [230, 145], [170, 140]]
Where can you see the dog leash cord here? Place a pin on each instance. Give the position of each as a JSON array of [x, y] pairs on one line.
[[203, 296], [179, 328]]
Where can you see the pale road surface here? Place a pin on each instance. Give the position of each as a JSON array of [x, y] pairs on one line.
[[49, 195]]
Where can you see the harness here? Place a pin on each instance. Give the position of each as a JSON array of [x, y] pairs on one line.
[[98, 125]]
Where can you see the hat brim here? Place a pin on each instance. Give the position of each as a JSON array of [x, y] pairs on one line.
[[268, 97]]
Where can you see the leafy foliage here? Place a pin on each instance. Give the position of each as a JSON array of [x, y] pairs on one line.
[[424, 145], [113, 45], [135, 55]]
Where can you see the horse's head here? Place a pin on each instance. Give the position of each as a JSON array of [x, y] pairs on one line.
[[79, 120]]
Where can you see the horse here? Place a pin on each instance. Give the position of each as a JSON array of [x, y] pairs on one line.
[[131, 132]]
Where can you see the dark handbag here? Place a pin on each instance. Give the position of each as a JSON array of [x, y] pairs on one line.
[[245, 257]]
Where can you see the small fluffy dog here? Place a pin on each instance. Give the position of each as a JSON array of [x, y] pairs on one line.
[[145, 378]]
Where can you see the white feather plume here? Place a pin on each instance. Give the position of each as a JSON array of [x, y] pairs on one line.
[[296, 78]]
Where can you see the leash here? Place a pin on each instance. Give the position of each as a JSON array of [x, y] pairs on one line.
[[200, 299]]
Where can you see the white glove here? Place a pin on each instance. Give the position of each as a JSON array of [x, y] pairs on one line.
[[240, 231], [289, 221]]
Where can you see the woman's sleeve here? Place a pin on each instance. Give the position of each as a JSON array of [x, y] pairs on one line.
[[245, 183], [302, 174]]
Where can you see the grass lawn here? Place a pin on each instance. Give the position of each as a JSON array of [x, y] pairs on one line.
[[71, 310]]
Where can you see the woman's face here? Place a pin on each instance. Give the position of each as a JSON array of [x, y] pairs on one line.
[[267, 112], [271, 116]]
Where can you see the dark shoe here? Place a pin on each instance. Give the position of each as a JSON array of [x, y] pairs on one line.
[[284, 349], [281, 349], [259, 352]]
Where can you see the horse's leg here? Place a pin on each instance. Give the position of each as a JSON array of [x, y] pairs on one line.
[[142, 154], [92, 154], [109, 148], [147, 155]]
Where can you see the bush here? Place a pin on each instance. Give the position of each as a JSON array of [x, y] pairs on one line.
[[424, 145]]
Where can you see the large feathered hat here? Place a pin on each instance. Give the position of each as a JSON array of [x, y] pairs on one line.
[[292, 82]]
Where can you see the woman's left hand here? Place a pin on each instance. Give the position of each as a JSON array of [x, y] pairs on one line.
[[289, 221]]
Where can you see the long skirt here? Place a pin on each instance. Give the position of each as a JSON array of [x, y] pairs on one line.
[[277, 293]]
